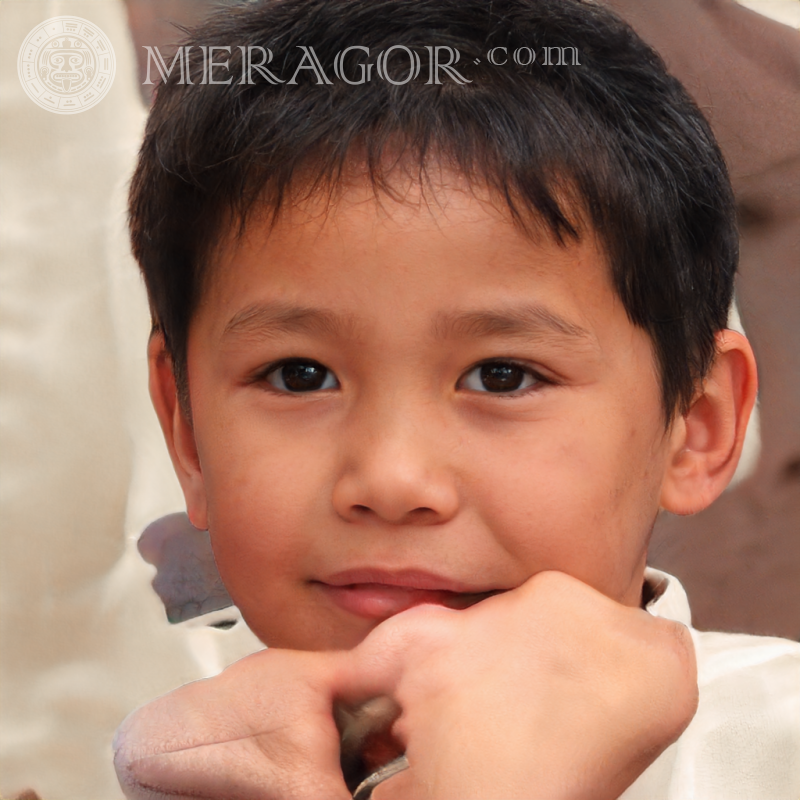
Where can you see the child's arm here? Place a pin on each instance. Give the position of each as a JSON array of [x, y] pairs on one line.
[[548, 692]]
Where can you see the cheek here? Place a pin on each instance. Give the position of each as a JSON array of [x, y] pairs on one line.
[[257, 471], [572, 496], [255, 523], [264, 496]]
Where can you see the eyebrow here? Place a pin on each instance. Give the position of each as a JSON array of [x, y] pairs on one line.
[[523, 321], [272, 319]]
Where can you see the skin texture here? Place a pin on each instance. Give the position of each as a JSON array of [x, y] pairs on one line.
[[522, 517], [402, 467]]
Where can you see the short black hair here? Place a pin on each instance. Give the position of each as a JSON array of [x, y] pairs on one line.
[[609, 128]]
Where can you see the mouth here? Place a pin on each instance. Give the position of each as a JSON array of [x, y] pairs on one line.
[[378, 594]]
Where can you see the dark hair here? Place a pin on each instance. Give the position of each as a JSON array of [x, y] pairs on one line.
[[614, 132]]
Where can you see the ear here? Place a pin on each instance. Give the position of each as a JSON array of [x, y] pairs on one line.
[[177, 430], [707, 441]]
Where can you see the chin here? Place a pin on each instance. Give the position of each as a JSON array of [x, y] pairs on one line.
[[311, 638]]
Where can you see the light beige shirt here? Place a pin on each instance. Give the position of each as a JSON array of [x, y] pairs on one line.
[[744, 741]]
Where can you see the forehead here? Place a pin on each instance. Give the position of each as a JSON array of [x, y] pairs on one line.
[[424, 247]]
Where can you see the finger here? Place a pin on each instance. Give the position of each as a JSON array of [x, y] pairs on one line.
[[255, 767], [376, 666], [363, 675], [235, 771]]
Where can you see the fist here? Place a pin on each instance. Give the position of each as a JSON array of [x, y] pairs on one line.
[[551, 690]]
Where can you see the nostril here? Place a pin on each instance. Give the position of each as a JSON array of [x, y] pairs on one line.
[[421, 515], [791, 472], [416, 516]]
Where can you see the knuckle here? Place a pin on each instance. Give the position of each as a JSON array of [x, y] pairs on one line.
[[559, 588], [679, 673], [422, 626], [679, 642], [551, 579]]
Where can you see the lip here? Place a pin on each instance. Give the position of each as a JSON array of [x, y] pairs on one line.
[[379, 594]]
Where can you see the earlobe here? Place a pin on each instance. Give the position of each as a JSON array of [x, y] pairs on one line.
[[177, 430], [706, 442]]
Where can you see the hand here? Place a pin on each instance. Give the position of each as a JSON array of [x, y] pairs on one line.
[[548, 691], [262, 729]]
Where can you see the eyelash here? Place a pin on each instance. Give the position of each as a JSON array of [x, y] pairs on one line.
[[537, 380]]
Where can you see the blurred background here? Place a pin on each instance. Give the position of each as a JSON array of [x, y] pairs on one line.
[[84, 639]]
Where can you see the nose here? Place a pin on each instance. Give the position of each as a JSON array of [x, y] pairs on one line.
[[397, 469]]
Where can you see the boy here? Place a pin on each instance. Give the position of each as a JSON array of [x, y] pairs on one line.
[[439, 328]]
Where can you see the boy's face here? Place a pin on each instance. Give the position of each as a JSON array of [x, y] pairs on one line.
[[404, 402]]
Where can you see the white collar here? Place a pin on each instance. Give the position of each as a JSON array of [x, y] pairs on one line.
[[669, 598]]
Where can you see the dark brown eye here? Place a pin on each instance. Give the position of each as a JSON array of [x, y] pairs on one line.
[[499, 377], [301, 376]]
